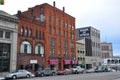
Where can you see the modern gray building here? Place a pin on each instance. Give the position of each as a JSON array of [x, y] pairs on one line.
[[8, 42], [92, 37]]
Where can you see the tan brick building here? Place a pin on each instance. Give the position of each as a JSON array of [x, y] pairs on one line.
[[46, 37]]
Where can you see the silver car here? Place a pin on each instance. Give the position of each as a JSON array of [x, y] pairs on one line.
[[19, 74]]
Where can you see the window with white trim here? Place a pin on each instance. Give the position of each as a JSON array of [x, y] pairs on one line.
[[25, 47], [39, 49]]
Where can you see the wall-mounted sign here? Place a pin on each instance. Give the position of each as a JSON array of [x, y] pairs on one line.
[[84, 32], [33, 61]]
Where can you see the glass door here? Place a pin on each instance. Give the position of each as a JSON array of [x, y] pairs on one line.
[[4, 57]]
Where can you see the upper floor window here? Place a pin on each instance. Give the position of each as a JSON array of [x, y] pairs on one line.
[[52, 42], [26, 32], [72, 27], [50, 18], [50, 29], [41, 10], [72, 45], [30, 33], [59, 32], [1, 34], [54, 30], [42, 17], [22, 31], [42, 35], [37, 34], [25, 47], [39, 49], [54, 19], [7, 35], [58, 22], [65, 44]]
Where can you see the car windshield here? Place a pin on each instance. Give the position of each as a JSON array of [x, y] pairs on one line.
[[15, 71], [74, 67]]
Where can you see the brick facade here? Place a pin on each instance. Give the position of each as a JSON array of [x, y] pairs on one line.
[[51, 27]]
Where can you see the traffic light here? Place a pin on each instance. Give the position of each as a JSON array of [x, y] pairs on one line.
[[2, 2]]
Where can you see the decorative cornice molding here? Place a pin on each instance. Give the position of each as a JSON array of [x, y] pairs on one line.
[[9, 19]]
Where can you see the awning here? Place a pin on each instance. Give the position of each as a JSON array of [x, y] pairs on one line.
[[81, 64], [67, 61], [74, 61], [53, 61]]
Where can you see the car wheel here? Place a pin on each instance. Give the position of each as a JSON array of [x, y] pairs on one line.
[[53, 74], [27, 76], [14, 77], [76, 72], [42, 75]]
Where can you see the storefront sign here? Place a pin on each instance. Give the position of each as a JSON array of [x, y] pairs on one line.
[[33, 61], [74, 62], [67, 61], [52, 61]]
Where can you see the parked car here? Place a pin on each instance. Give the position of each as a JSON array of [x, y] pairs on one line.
[[19, 74], [91, 70], [77, 69], [64, 72], [99, 69], [45, 72]]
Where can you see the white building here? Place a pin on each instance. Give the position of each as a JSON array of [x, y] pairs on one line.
[[8, 42], [112, 62]]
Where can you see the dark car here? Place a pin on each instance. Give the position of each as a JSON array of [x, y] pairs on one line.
[[45, 72], [100, 69]]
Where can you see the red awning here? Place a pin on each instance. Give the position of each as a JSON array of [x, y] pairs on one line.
[[74, 61], [67, 61], [53, 61]]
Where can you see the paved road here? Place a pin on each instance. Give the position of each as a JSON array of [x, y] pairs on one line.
[[88, 76]]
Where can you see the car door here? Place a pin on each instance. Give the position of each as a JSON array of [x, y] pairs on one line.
[[19, 73], [47, 71], [22, 73]]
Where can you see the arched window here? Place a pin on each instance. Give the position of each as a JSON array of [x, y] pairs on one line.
[[25, 47], [39, 49], [108, 61]]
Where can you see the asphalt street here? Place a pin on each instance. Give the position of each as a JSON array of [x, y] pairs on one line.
[[86, 76]]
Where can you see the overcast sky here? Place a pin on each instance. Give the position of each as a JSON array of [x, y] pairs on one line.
[[103, 15]]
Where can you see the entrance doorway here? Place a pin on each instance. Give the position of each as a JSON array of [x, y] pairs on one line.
[[4, 57]]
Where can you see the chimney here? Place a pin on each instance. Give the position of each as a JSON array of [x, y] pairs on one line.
[[63, 9], [54, 3], [19, 12]]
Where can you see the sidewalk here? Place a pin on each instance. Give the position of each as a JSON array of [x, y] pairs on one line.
[[2, 75], [1, 78]]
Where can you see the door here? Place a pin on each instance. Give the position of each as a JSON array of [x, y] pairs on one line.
[[4, 57]]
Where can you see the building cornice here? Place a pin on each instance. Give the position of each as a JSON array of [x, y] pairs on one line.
[[30, 20], [9, 19]]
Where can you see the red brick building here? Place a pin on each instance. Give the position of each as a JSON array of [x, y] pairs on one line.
[[46, 38]]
